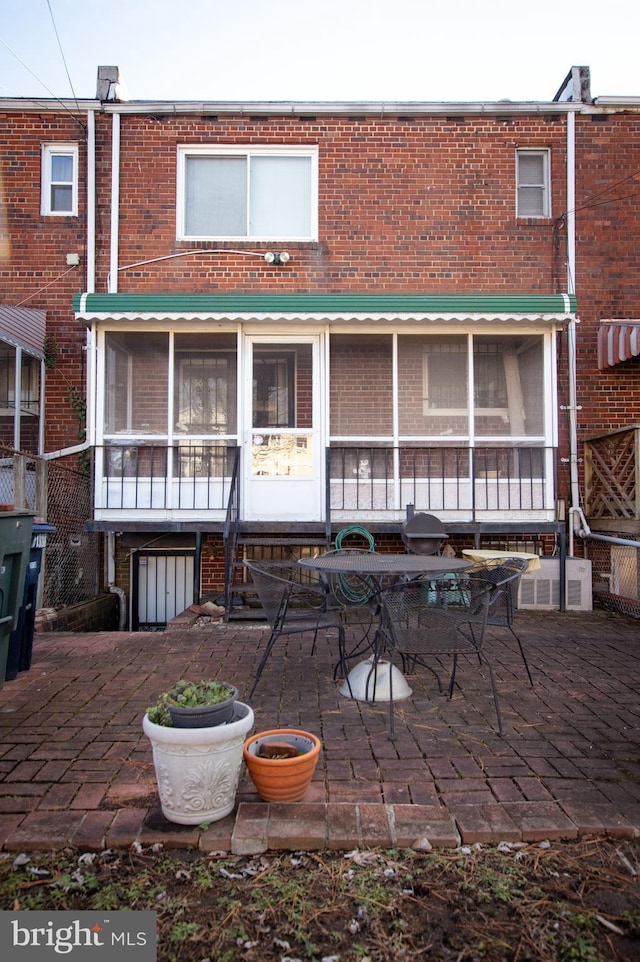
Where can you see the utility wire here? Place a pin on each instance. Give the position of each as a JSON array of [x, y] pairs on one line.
[[57, 99], [55, 30]]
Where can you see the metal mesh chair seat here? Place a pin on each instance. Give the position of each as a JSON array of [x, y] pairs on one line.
[[446, 616], [294, 602], [504, 577]]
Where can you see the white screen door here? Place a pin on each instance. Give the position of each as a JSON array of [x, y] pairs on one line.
[[283, 452]]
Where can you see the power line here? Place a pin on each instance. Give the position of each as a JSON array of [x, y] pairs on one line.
[[55, 30]]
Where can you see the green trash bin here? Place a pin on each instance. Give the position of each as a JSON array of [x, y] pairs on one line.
[[15, 545]]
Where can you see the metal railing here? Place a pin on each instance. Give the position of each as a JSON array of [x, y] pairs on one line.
[[148, 475], [439, 478], [231, 530]]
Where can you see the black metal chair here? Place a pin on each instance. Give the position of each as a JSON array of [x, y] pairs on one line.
[[423, 534], [504, 577], [443, 617], [293, 603]]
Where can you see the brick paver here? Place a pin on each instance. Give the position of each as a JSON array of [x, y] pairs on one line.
[[76, 768]]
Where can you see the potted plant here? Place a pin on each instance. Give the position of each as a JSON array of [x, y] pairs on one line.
[[281, 763], [200, 704], [197, 767]]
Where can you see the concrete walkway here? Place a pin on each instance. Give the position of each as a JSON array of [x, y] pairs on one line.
[[76, 769]]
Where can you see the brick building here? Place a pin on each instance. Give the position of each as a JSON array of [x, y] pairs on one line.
[[299, 317]]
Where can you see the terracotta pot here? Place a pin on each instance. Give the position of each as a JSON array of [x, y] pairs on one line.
[[282, 779]]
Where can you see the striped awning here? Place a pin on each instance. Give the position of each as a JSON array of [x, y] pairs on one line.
[[550, 308], [618, 341], [23, 327]]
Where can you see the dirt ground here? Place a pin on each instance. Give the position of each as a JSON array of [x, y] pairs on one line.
[[507, 903]]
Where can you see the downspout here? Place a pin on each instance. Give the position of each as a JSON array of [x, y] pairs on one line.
[[115, 201], [91, 202], [111, 577], [90, 280], [571, 288]]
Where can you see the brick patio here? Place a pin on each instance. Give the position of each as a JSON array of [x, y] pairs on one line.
[[76, 769]]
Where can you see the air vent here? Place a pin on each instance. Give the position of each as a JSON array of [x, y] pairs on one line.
[[541, 589]]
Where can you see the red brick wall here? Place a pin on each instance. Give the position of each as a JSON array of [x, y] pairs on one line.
[[33, 255], [608, 273], [406, 204]]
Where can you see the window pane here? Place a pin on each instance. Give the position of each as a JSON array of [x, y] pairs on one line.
[[280, 197], [61, 198], [273, 379], [530, 169], [216, 196], [447, 376], [62, 168], [531, 202]]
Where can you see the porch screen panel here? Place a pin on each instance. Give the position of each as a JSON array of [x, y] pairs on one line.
[[361, 385], [433, 385], [136, 383], [205, 384], [508, 386]]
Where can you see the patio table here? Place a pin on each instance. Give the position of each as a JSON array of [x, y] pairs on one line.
[[371, 565]]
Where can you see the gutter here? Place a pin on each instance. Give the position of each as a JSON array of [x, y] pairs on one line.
[[358, 108]]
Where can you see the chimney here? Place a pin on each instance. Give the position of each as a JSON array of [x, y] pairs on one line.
[[576, 87], [110, 85]]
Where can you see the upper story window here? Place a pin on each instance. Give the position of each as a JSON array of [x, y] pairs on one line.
[[533, 183], [60, 179], [253, 193]]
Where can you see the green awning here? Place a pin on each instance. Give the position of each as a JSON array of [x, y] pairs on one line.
[[102, 306]]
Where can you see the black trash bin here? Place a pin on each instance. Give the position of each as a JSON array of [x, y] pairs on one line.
[[15, 538], [21, 639]]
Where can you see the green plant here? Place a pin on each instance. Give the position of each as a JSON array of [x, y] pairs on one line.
[[189, 694]]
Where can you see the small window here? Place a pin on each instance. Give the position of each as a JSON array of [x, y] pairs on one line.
[[533, 192], [262, 193], [60, 179], [445, 376]]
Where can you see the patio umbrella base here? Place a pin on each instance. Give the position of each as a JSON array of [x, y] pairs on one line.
[[363, 685]]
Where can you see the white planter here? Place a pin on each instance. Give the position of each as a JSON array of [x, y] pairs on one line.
[[198, 769]]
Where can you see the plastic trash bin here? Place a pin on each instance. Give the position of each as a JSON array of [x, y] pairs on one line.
[[15, 543], [21, 639]]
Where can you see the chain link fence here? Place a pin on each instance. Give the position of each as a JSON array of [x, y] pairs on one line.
[[60, 492], [615, 574], [72, 570]]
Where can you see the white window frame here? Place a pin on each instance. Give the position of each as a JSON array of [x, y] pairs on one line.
[[248, 151], [49, 151], [544, 187]]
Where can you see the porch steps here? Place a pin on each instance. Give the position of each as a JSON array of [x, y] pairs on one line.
[[258, 548]]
